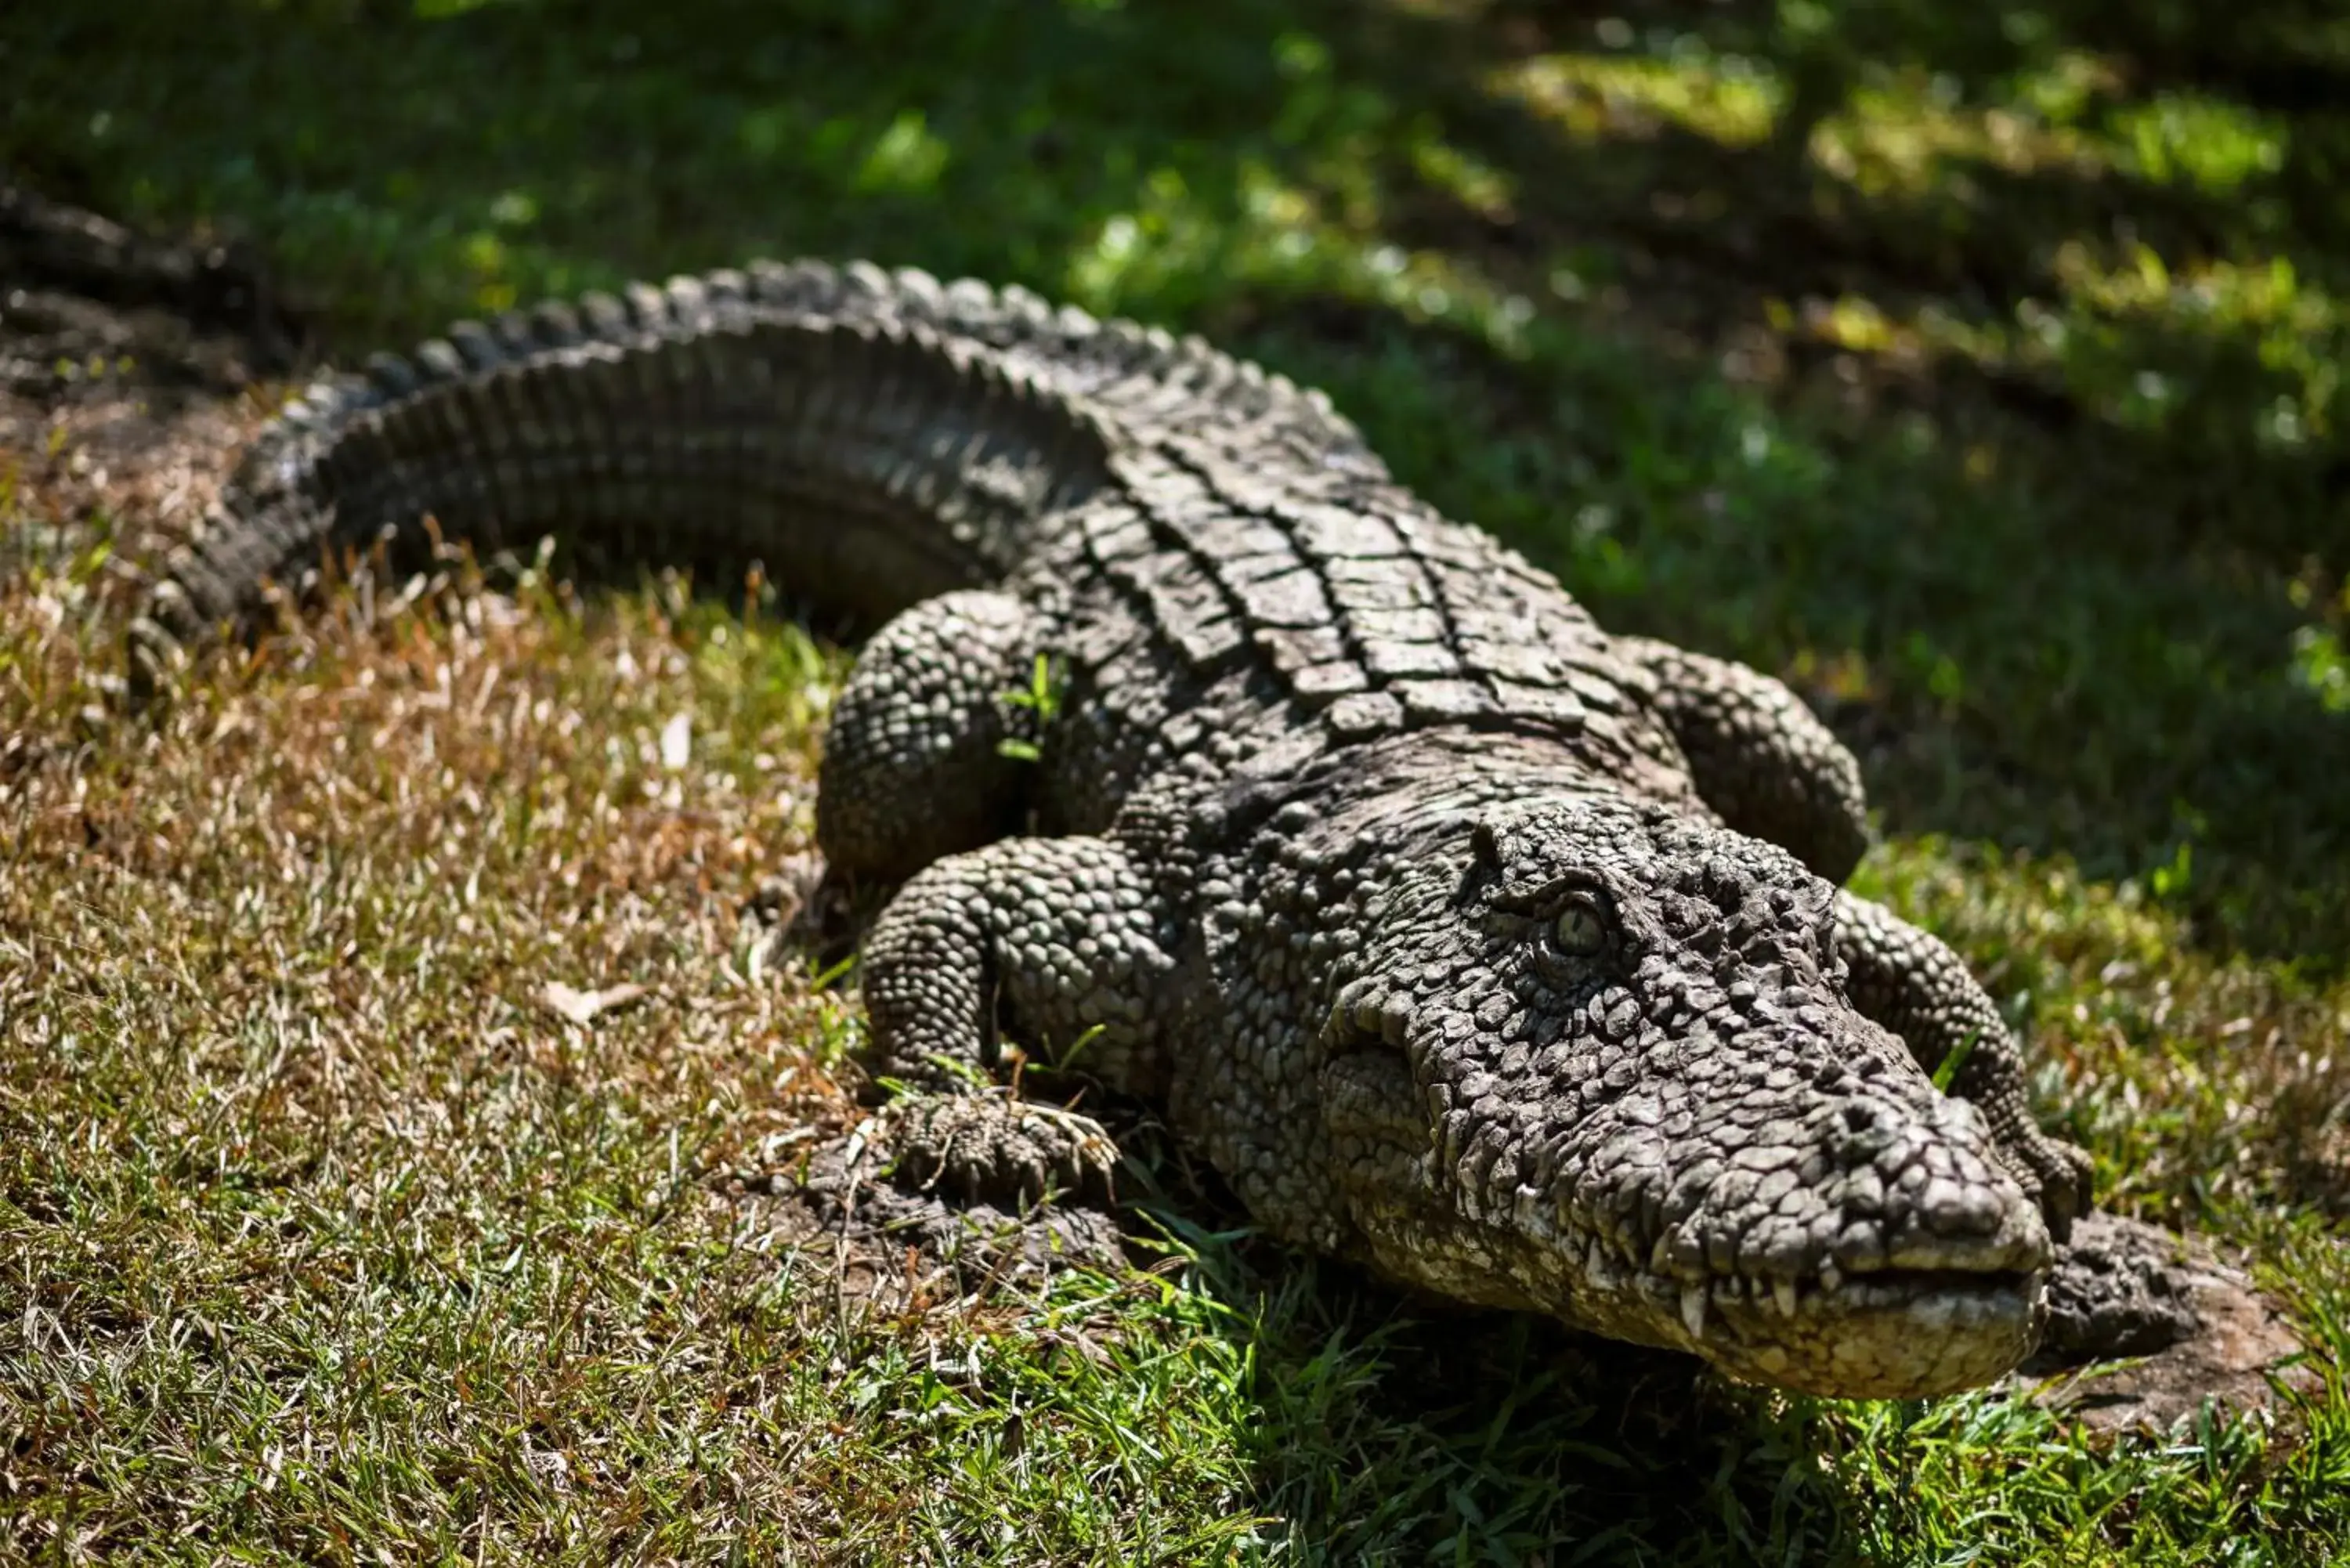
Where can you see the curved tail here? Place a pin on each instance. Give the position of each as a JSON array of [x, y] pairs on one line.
[[869, 437]]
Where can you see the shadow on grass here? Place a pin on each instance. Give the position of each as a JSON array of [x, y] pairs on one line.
[[1390, 1427], [1505, 1439]]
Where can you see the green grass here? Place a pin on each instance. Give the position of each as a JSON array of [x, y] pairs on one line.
[[1978, 370]]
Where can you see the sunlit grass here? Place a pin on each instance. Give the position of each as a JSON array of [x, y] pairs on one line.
[[1729, 99], [1904, 135]]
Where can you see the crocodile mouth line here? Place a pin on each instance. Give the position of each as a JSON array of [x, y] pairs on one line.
[[1901, 1287], [1817, 1289], [1736, 1300]]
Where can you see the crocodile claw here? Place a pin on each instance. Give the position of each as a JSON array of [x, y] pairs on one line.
[[990, 1147]]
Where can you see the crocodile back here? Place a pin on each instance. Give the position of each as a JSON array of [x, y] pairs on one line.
[[1223, 558], [1253, 621], [869, 438]]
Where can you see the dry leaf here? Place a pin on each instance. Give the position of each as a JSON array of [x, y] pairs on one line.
[[677, 743], [582, 1006]]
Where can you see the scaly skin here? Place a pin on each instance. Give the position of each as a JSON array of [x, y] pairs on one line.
[[1466, 939]]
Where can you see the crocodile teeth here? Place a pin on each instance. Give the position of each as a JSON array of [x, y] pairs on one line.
[[1782, 1291], [1693, 1309], [1830, 1276]]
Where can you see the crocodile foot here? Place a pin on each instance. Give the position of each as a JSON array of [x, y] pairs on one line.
[[994, 1149], [890, 1247], [2147, 1326], [2119, 1288]]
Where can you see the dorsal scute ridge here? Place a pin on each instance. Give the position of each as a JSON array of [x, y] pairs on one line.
[[648, 306], [476, 346], [572, 367], [1149, 381]]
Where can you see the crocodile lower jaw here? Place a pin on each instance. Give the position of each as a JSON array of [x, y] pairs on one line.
[[1884, 1334], [1895, 1334]]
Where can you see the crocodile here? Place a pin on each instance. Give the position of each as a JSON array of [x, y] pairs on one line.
[[1465, 940]]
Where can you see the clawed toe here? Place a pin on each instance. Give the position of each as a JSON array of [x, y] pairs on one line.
[[991, 1147]]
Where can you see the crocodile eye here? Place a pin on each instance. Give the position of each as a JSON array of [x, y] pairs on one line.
[[1580, 931]]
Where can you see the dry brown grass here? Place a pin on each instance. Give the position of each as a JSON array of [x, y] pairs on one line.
[[326, 1228]]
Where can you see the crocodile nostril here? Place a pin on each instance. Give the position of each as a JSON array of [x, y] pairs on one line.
[[1859, 1116], [1949, 1209]]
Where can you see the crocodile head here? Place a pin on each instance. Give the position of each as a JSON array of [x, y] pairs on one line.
[[1593, 1058]]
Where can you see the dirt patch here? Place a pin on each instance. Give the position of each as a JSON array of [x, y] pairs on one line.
[[133, 370]]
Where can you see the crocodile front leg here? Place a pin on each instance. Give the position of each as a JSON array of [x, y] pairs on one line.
[[1911, 983], [1760, 757], [914, 767], [1058, 942]]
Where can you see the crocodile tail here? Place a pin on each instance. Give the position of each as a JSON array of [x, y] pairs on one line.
[[867, 438]]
